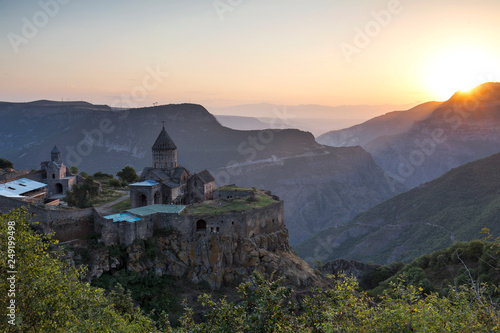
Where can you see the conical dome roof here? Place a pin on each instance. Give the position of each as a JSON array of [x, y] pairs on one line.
[[55, 150], [164, 142]]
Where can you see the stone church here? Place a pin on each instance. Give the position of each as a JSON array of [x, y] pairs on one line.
[[166, 182], [56, 175]]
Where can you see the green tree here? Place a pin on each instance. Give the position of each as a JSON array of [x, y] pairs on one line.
[[102, 175], [128, 174], [6, 164], [73, 170], [48, 293], [266, 307], [114, 182], [81, 195]]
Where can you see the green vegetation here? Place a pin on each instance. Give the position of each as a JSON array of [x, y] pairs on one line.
[[95, 191], [5, 164], [48, 293], [115, 183], [107, 194], [231, 206], [154, 294], [476, 262], [83, 195], [267, 306], [128, 174], [73, 170], [234, 188], [122, 206], [102, 176]]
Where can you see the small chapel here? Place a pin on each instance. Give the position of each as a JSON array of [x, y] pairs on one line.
[[56, 175], [166, 182]]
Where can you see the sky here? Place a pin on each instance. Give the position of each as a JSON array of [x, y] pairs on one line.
[[229, 52]]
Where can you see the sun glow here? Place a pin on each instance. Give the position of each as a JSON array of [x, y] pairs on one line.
[[459, 69]]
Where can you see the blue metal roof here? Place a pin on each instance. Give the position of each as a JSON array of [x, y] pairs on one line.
[[148, 182], [123, 217], [18, 187], [148, 210]]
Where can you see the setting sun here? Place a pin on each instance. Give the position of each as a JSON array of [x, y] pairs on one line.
[[459, 69]]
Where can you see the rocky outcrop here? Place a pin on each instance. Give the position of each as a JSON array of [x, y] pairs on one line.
[[216, 259]]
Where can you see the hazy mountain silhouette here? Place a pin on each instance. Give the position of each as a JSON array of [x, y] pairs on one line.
[[460, 130], [391, 123], [313, 118]]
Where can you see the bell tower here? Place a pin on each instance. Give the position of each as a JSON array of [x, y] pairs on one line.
[[55, 154], [164, 151]]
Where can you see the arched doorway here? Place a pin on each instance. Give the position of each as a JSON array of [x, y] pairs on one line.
[[143, 200], [201, 225], [59, 188]]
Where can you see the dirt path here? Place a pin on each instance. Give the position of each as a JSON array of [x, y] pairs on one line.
[[106, 208]]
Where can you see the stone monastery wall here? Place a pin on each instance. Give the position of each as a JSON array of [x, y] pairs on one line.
[[246, 224], [67, 224]]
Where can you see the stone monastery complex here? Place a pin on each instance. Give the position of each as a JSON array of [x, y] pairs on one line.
[[167, 196], [205, 234]]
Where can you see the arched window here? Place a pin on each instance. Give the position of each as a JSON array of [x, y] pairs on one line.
[[143, 201], [201, 225], [59, 188]]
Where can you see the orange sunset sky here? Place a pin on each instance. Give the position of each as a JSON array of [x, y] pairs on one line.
[[230, 52]]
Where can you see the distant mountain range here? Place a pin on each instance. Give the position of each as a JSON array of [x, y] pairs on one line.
[[391, 123], [454, 207], [322, 186], [316, 119], [423, 143]]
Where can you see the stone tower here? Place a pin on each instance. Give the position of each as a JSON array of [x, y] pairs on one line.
[[55, 154], [164, 152]]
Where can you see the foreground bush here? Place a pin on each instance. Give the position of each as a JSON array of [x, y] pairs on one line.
[[268, 307]]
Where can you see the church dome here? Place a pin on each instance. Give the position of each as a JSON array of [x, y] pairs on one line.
[[55, 150], [164, 142]]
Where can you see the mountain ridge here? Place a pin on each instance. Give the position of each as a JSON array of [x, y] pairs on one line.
[[460, 130], [452, 208]]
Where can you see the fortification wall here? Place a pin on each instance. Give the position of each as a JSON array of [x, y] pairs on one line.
[[114, 233], [266, 220], [231, 193], [67, 224]]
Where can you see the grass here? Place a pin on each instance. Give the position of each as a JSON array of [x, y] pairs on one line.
[[234, 187], [231, 206], [108, 194], [122, 206]]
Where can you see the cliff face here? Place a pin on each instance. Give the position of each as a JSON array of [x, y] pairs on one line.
[[216, 259]]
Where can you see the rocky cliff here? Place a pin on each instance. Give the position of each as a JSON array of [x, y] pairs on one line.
[[216, 259]]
